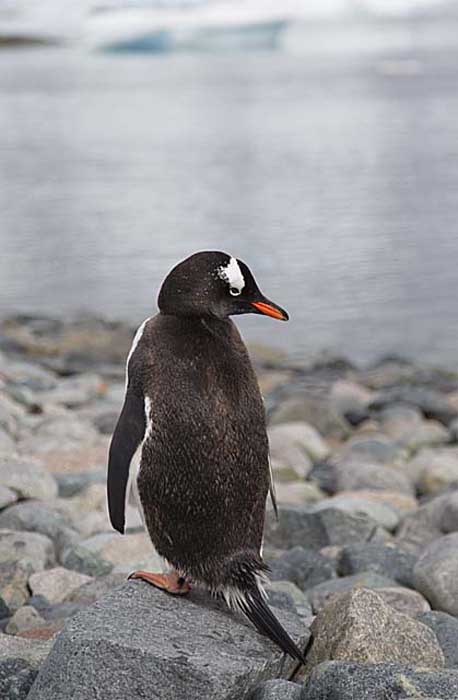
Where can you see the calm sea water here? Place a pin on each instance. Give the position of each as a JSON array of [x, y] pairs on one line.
[[333, 172]]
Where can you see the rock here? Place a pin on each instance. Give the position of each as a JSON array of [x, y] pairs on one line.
[[7, 497], [19, 663], [432, 403], [223, 656], [98, 587], [423, 526], [373, 448], [320, 595], [359, 626], [7, 444], [318, 411], [303, 526], [79, 558], [56, 584], [289, 442], [72, 484], [16, 648], [344, 680], [357, 476], [434, 470], [453, 428], [295, 595], [21, 554], [446, 512], [297, 492], [436, 574], [16, 678], [404, 600], [34, 516], [73, 392], [277, 690], [57, 431], [304, 567], [350, 398], [351, 502], [445, 628], [24, 618], [124, 552], [406, 425], [384, 559], [27, 478]]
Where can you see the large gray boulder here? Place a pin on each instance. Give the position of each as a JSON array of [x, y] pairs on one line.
[[359, 626], [138, 642], [346, 680]]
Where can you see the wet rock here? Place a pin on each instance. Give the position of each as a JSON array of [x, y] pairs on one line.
[[320, 595], [433, 404], [303, 526], [404, 600], [359, 626], [21, 554], [304, 567], [223, 656], [445, 628], [27, 478], [346, 680], [436, 574], [24, 618], [34, 516], [384, 559], [56, 584], [277, 690], [318, 411]]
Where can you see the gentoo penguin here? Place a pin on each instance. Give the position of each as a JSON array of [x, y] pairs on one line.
[[193, 405]]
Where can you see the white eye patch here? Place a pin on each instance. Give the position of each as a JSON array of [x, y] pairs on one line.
[[232, 274]]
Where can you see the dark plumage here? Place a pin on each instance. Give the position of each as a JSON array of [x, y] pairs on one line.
[[193, 404]]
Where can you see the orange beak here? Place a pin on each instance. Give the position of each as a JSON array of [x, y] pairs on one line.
[[269, 309]]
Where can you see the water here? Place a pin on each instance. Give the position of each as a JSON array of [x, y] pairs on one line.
[[331, 170]]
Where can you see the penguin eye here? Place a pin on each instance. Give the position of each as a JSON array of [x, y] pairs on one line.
[[234, 291]]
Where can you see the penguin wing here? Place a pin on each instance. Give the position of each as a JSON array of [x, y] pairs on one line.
[[128, 434]]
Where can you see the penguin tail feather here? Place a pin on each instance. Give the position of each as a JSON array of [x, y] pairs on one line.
[[243, 591], [258, 612]]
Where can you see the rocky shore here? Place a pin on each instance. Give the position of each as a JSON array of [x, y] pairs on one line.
[[364, 557]]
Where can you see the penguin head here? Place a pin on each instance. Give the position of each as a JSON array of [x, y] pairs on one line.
[[214, 284]]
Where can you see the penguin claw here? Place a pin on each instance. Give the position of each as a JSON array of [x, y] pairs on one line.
[[170, 583]]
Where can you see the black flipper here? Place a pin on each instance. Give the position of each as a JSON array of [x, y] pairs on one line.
[[128, 434], [262, 617]]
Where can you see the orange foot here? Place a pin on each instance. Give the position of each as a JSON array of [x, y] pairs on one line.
[[171, 583]]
